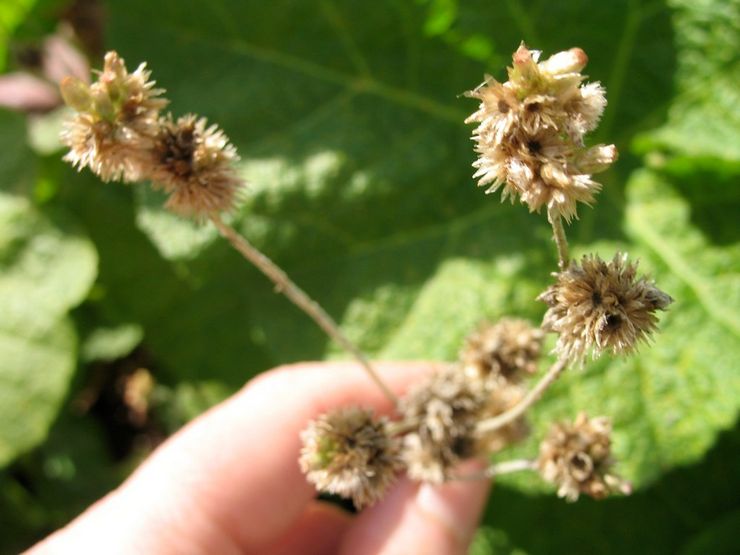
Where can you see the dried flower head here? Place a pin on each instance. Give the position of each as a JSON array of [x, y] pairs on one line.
[[577, 459], [601, 306], [509, 349], [193, 163], [116, 120], [444, 412], [530, 133], [349, 453]]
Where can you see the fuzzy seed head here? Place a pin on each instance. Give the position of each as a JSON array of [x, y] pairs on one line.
[[193, 163], [115, 122], [577, 459], [530, 132], [509, 350], [601, 306], [349, 453], [444, 412]]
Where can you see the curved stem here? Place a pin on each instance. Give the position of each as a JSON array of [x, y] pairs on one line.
[[560, 239], [534, 395], [298, 297], [497, 469]]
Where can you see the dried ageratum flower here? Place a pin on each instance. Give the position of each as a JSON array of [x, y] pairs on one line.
[[509, 349], [601, 306], [349, 453], [193, 163], [577, 459], [530, 133], [443, 413], [116, 121]]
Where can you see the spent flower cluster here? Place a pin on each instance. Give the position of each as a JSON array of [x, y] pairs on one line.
[[530, 141]]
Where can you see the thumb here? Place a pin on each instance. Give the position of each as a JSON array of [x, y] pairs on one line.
[[414, 518]]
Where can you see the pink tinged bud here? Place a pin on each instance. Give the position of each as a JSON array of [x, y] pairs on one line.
[[76, 94], [597, 159], [525, 63], [569, 61]]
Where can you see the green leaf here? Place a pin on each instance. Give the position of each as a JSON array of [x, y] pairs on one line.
[[12, 13], [702, 117], [43, 273]]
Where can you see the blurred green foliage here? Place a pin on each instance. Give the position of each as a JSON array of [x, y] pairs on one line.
[[347, 118]]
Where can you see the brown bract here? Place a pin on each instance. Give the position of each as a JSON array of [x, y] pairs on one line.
[[349, 453], [577, 459], [601, 306], [530, 134]]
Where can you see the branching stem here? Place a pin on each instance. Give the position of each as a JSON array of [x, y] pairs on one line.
[[534, 395], [298, 297]]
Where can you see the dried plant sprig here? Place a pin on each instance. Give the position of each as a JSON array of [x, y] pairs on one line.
[[601, 307], [577, 458], [509, 349], [115, 123], [118, 132], [530, 133], [350, 453]]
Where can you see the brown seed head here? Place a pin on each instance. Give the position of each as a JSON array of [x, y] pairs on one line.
[[443, 413], [349, 453], [601, 306], [577, 459], [509, 349], [193, 163]]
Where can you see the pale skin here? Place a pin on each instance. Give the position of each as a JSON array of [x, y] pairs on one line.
[[229, 483]]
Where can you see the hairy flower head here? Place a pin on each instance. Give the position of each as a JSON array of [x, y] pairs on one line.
[[577, 459], [115, 122], [194, 164], [509, 349], [349, 453], [443, 413], [601, 306], [530, 132]]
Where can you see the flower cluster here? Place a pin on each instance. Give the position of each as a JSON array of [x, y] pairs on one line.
[[601, 306], [349, 453], [508, 350], [119, 133], [577, 459], [530, 133]]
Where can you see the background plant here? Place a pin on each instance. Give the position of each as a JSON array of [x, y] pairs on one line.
[[351, 135]]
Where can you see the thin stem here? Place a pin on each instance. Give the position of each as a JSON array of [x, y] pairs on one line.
[[560, 239], [534, 395], [497, 469], [298, 297]]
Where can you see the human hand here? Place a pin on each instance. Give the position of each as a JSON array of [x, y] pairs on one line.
[[229, 483]]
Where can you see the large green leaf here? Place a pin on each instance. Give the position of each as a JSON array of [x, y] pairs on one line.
[[44, 271], [703, 119]]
